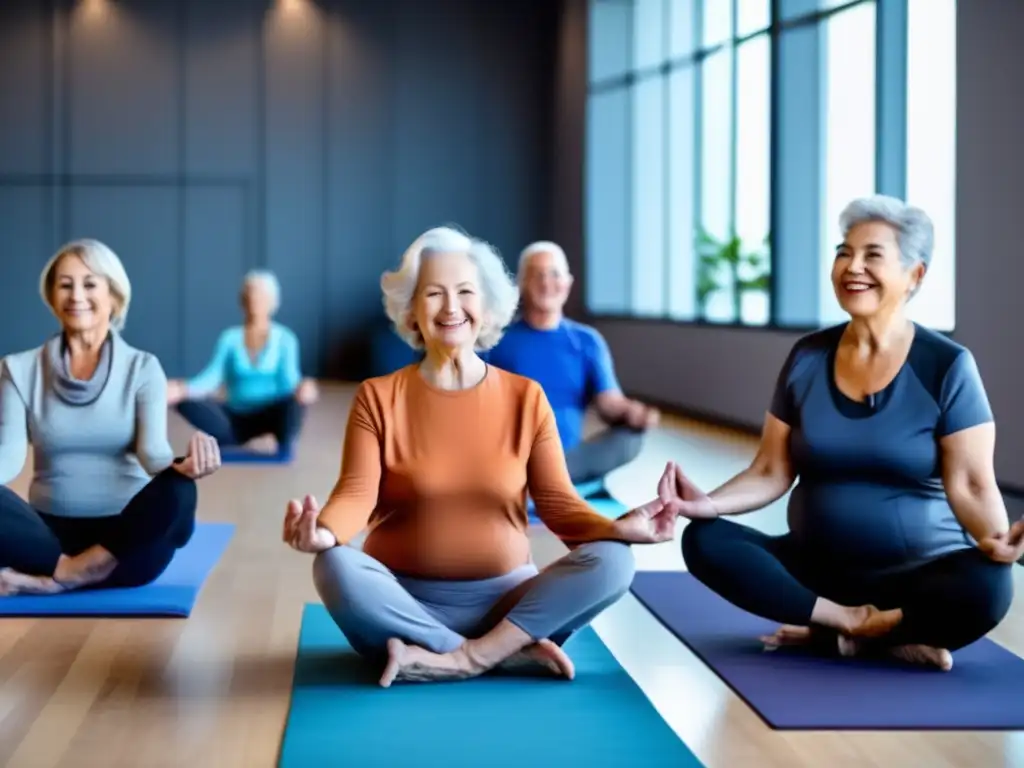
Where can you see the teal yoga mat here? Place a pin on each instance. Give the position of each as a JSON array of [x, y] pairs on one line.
[[340, 716]]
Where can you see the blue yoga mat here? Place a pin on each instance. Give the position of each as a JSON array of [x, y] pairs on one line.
[[245, 456], [339, 714], [174, 593], [796, 689]]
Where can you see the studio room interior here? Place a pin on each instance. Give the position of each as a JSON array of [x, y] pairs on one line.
[[537, 383]]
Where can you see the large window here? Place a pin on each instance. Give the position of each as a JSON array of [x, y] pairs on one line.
[[725, 136]]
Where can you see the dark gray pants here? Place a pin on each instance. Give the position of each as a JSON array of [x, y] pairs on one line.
[[370, 604], [605, 451]]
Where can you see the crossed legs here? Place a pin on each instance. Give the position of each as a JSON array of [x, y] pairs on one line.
[[436, 630], [282, 418], [44, 554], [919, 615]]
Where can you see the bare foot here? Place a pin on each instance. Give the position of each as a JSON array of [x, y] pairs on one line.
[[787, 635], [543, 654], [16, 583], [870, 622], [415, 664], [264, 444], [90, 567], [923, 654]]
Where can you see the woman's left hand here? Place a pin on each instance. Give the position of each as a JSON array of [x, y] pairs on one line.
[[203, 457], [650, 523], [1005, 547]]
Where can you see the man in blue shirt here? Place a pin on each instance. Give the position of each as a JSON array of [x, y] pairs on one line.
[[573, 363]]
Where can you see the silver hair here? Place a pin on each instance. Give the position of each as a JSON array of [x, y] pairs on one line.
[[101, 261], [270, 284], [500, 293], [915, 233], [541, 246]]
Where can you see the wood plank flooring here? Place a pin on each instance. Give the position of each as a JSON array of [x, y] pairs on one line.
[[212, 691]]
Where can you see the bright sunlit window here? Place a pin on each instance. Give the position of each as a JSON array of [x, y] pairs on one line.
[[648, 37], [681, 218], [608, 202], [752, 16], [682, 171], [716, 177], [717, 26], [648, 226], [753, 174], [849, 148], [931, 149]]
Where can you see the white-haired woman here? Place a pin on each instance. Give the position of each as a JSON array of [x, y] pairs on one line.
[[438, 460], [899, 541], [108, 503], [258, 365]]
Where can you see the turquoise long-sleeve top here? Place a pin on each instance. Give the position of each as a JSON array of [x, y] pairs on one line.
[[276, 373]]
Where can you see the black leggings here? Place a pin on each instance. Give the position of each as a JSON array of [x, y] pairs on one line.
[[947, 603], [282, 418], [143, 538]]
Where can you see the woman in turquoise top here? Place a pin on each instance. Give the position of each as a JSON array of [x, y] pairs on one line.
[[258, 366]]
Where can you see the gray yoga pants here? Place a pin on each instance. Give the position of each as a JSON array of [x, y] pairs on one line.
[[605, 451], [370, 604]]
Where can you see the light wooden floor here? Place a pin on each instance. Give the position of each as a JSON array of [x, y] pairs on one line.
[[212, 691]]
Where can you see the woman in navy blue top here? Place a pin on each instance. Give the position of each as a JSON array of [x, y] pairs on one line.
[[898, 537]]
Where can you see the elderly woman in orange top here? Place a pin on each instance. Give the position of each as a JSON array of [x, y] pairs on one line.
[[438, 460]]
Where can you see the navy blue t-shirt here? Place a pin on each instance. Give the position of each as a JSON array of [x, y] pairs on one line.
[[571, 362], [869, 495]]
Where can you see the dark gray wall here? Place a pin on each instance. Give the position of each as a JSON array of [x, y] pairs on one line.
[[728, 373], [200, 139]]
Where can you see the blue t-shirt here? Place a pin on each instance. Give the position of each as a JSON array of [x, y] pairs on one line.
[[572, 363], [275, 374], [869, 496]]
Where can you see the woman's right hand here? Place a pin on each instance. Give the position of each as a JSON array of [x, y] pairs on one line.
[[301, 531], [681, 496]]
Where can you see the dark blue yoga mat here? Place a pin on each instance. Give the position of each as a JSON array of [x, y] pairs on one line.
[[234, 455], [173, 594], [796, 689], [339, 715]]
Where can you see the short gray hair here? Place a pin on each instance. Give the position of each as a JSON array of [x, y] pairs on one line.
[[270, 285], [915, 233], [101, 261], [500, 293], [541, 246]]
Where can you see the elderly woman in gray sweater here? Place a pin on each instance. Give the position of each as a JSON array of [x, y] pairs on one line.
[[109, 504]]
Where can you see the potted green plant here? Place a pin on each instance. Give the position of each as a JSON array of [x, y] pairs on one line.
[[727, 264]]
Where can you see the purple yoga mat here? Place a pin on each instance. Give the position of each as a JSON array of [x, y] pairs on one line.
[[794, 689]]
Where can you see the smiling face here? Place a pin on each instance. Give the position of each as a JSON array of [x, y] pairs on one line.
[[448, 305], [547, 283], [81, 299], [868, 275]]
